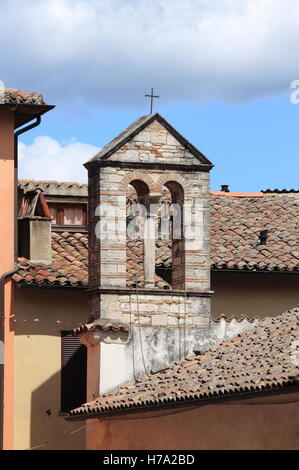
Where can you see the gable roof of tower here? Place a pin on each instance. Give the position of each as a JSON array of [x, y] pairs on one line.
[[259, 360], [137, 127]]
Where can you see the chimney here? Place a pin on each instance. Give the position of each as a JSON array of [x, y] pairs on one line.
[[225, 188], [35, 239], [34, 227]]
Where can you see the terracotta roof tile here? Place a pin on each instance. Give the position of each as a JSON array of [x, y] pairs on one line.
[[52, 187], [15, 96], [281, 191], [105, 324], [263, 358], [236, 223], [68, 268]]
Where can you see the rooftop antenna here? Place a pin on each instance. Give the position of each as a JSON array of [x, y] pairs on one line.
[[152, 96]]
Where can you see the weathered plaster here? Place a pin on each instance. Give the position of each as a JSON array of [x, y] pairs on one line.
[[150, 350]]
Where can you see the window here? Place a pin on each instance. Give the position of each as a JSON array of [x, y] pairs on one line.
[[73, 371], [71, 215]]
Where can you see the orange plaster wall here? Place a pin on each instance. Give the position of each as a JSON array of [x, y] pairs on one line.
[[239, 425], [7, 190], [7, 176]]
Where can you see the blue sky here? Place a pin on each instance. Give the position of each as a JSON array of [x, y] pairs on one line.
[[253, 145], [223, 71]]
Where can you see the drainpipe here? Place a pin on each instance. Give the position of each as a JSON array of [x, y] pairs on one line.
[[10, 273], [17, 133]]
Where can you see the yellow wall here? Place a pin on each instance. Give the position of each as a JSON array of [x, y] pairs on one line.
[[41, 314], [251, 424], [253, 294]]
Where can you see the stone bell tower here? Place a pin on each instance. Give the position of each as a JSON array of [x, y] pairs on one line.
[[167, 318]]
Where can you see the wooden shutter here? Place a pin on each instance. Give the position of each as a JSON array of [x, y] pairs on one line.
[[74, 216], [73, 371], [69, 215]]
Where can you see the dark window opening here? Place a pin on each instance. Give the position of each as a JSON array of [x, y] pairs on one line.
[[73, 371], [263, 237], [165, 274]]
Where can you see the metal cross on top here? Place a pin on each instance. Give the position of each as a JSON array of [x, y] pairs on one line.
[[152, 96]]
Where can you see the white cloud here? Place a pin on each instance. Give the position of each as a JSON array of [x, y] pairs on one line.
[[47, 159], [109, 52]]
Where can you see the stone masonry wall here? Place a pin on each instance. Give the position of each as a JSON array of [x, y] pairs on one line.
[[152, 144], [110, 193], [107, 200], [156, 310]]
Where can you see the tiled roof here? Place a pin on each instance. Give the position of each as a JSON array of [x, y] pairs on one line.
[[135, 263], [236, 194], [68, 268], [105, 324], [14, 96], [264, 358], [34, 204], [54, 188], [236, 223], [26, 105], [280, 191]]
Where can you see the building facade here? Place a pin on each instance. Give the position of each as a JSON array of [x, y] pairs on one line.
[[136, 287]]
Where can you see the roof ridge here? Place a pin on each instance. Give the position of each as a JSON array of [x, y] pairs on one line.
[[16, 96], [59, 183]]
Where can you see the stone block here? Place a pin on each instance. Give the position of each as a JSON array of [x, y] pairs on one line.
[[159, 320], [143, 137], [171, 140], [172, 321], [158, 138]]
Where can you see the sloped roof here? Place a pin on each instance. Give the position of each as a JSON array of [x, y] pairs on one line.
[[27, 105], [236, 223], [136, 127], [281, 191], [53, 188], [69, 266], [105, 324], [34, 204], [15, 96], [135, 271], [264, 358]]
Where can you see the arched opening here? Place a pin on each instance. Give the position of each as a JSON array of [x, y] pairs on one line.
[[165, 252], [170, 245], [137, 192], [164, 238]]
